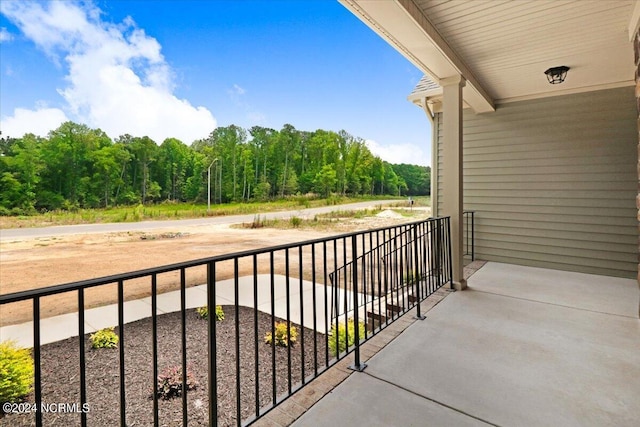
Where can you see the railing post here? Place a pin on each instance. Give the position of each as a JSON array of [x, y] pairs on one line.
[[447, 237], [470, 249], [183, 332], [357, 365], [37, 386], [154, 349], [211, 345], [436, 250], [236, 301], [83, 375], [121, 347], [473, 235], [416, 275]]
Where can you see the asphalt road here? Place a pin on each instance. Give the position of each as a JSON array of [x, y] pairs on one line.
[[63, 230]]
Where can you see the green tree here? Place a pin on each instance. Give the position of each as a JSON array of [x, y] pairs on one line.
[[144, 151], [10, 192], [225, 144], [326, 180], [171, 168], [248, 174], [25, 164], [76, 166], [67, 152], [262, 190], [417, 178], [195, 185], [107, 175], [289, 141], [262, 140], [377, 176], [391, 181]]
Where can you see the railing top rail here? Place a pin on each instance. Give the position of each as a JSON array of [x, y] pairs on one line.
[[89, 283]]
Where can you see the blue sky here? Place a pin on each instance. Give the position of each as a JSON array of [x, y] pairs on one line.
[[169, 68]]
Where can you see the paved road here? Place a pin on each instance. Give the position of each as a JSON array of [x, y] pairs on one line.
[[32, 233]]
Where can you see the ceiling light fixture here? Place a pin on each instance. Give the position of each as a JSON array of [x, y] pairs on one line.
[[556, 75]]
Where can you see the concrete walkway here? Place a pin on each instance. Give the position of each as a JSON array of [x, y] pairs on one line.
[[61, 327], [522, 347]]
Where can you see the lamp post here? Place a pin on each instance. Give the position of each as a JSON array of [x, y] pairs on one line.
[[209, 185]]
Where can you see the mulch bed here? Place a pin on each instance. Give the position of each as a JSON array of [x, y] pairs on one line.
[[61, 376]]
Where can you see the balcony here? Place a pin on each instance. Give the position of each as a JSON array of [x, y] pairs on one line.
[[521, 346]]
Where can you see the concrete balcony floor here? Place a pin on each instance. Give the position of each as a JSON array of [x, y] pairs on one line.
[[521, 347]]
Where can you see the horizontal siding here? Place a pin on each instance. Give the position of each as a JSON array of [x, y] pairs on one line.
[[559, 244], [535, 259], [554, 181], [552, 226], [569, 205]]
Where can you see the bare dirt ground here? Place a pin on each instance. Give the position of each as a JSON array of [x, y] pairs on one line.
[[36, 263]]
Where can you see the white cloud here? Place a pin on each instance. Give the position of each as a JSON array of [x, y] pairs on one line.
[[237, 90], [39, 122], [400, 153], [5, 35], [118, 79]]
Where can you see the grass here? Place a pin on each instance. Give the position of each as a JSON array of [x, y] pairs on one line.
[[357, 214], [418, 202], [326, 220], [167, 211]]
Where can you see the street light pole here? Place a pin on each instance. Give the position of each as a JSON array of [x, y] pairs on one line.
[[209, 185]]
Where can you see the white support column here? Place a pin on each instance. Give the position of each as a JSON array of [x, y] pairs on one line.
[[452, 191]]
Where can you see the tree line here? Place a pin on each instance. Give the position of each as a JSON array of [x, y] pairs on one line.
[[79, 167]]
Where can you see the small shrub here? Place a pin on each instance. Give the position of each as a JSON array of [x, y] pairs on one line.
[[332, 200], [17, 211], [343, 333], [257, 222], [303, 201], [203, 312], [296, 221], [169, 382], [138, 212], [282, 338], [16, 372], [408, 277], [105, 338]]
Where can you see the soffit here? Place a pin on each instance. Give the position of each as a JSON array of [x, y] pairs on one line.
[[503, 47]]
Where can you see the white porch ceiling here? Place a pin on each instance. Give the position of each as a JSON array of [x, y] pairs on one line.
[[503, 47]]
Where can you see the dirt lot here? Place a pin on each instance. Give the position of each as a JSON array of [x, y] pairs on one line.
[[35, 263]]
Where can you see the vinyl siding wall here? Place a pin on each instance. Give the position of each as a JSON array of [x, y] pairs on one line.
[[554, 182]]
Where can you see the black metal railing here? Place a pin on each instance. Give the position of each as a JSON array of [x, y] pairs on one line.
[[469, 234], [390, 273], [317, 288]]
